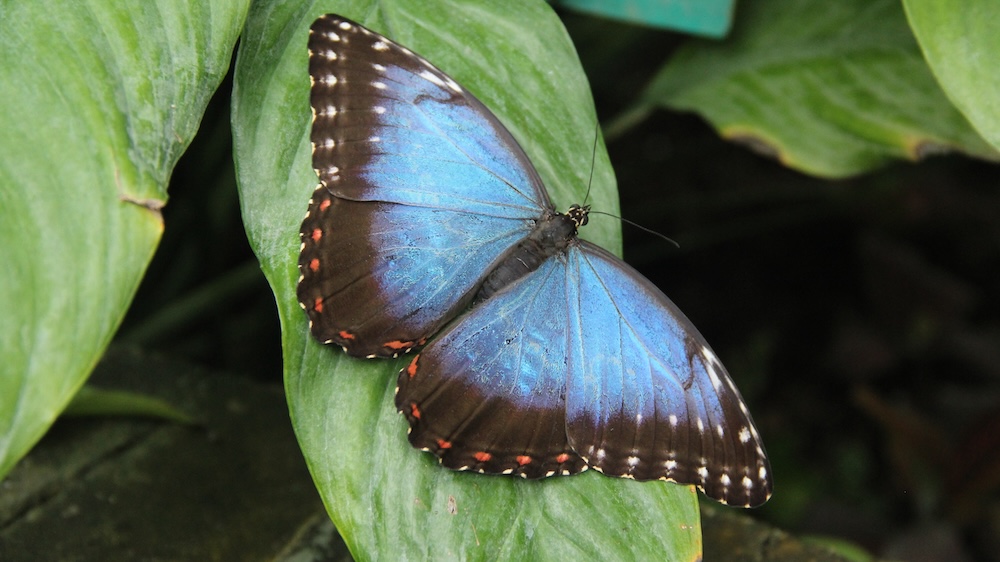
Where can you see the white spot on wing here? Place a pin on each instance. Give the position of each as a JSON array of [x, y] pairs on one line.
[[672, 418], [432, 78], [380, 46], [744, 434], [378, 85], [711, 362]]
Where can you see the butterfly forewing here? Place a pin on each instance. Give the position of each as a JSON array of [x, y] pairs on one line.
[[389, 126]]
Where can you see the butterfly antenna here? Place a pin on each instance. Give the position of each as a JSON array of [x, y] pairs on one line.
[[593, 161], [590, 183], [639, 226]]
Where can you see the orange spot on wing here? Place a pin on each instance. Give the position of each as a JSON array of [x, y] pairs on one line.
[[442, 444], [523, 459], [345, 335], [314, 264], [482, 456], [398, 345], [318, 305], [414, 411], [324, 205], [562, 458], [411, 371]]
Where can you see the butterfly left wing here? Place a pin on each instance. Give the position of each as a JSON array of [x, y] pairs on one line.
[[647, 398]]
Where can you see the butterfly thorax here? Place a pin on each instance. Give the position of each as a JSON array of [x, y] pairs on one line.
[[552, 235]]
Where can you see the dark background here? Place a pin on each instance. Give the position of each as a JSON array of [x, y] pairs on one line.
[[860, 318]]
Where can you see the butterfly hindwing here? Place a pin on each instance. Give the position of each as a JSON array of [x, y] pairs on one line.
[[489, 393], [422, 190]]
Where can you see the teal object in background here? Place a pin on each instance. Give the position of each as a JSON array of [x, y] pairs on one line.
[[712, 18]]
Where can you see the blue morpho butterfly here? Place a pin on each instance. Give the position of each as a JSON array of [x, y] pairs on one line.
[[550, 355]]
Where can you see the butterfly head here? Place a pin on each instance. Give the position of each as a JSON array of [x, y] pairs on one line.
[[578, 214]]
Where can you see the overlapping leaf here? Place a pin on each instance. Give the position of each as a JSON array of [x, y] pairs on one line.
[[387, 499], [97, 103], [829, 88]]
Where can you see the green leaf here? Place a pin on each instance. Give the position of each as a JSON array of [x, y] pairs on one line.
[[961, 41], [387, 499], [99, 100], [829, 88], [93, 401]]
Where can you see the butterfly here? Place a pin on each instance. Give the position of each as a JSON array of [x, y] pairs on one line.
[[540, 353]]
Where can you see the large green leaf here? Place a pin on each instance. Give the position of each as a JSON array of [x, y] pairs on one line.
[[961, 41], [387, 499], [829, 88], [97, 102]]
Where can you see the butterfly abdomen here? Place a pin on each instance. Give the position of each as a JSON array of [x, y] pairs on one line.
[[551, 236]]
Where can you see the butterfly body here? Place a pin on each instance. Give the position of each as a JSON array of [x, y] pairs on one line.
[[551, 236], [540, 353]]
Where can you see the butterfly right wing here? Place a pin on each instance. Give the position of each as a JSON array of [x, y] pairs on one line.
[[584, 362], [422, 191]]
